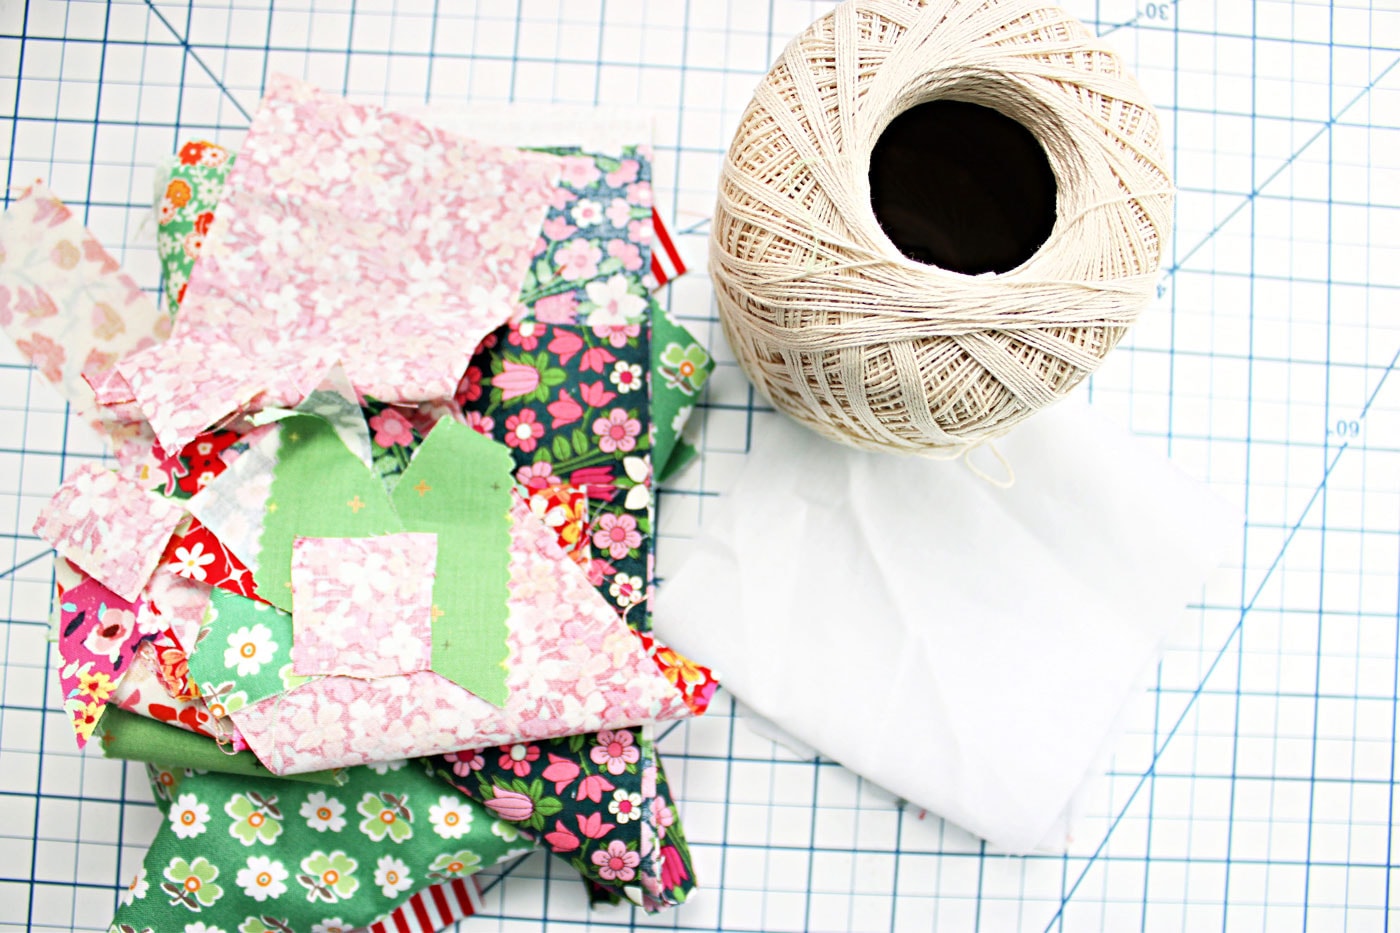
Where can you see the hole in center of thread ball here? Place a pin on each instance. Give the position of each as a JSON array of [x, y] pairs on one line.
[[962, 187]]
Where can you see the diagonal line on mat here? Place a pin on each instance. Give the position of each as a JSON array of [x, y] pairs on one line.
[[1219, 656], [185, 44], [24, 563], [1297, 153]]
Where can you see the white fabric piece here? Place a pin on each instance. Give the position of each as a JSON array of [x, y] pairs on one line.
[[980, 642]]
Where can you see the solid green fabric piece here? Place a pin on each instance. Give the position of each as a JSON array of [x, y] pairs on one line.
[[135, 738], [458, 486], [244, 652], [249, 854], [680, 458], [319, 490]]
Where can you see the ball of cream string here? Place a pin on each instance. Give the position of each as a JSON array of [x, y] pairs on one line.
[[865, 346]]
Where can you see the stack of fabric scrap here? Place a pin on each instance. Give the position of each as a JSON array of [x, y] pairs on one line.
[[369, 586]]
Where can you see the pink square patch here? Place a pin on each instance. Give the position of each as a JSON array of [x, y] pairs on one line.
[[110, 527], [363, 607]]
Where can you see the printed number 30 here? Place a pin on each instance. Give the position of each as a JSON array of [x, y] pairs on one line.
[[1157, 11]]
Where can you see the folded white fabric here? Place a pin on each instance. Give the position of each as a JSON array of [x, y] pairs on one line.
[[967, 647]]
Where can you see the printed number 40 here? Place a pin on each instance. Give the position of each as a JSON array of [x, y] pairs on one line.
[[1158, 11]]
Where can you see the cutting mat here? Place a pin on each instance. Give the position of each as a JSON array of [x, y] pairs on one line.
[[1256, 787]]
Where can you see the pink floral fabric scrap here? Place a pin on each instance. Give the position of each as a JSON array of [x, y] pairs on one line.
[[574, 667], [347, 232], [110, 527], [66, 303], [363, 607]]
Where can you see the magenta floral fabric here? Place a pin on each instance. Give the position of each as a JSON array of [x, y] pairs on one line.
[[573, 667], [363, 607], [345, 233], [110, 527], [98, 636]]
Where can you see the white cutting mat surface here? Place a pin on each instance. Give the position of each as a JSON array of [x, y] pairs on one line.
[[1256, 789]]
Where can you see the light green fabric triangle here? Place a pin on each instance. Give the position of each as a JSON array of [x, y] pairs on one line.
[[319, 490], [458, 486]]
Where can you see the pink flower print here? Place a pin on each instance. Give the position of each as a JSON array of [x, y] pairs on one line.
[[593, 826], [464, 763], [594, 394], [577, 259], [616, 862], [111, 632], [46, 355], [617, 535], [595, 358], [561, 771], [515, 380], [616, 334], [391, 428], [624, 174], [615, 750], [518, 758], [619, 212], [557, 228], [167, 211], [564, 411], [469, 389], [556, 309], [194, 244], [523, 431], [481, 424], [578, 171], [627, 253], [599, 570], [561, 840], [525, 335], [559, 198], [512, 806], [663, 817], [616, 432], [639, 231], [35, 304], [640, 193], [537, 476], [592, 787]]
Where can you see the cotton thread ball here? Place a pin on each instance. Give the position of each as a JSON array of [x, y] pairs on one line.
[[865, 346]]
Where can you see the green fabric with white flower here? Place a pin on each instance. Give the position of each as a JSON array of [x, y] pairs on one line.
[[244, 652], [248, 855], [680, 367]]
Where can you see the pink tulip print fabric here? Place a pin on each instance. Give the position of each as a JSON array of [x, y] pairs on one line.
[[363, 606], [573, 667], [394, 251], [110, 527], [66, 303]]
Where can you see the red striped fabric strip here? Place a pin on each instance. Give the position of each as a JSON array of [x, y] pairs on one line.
[[432, 909], [666, 262]]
